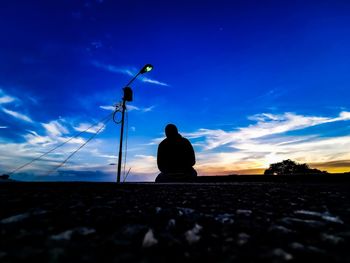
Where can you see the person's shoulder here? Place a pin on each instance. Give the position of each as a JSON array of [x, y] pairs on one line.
[[163, 142], [186, 140]]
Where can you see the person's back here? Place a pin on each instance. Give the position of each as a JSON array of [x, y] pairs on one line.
[[175, 157]]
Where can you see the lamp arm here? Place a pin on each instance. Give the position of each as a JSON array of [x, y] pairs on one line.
[[132, 80]]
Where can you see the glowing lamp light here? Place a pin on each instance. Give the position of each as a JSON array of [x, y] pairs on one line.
[[146, 68]]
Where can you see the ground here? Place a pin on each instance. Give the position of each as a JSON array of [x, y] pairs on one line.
[[210, 222]]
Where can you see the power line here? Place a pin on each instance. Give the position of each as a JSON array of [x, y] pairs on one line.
[[60, 145], [126, 176], [81, 146]]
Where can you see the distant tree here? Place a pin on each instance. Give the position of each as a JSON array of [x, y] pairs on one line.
[[4, 176], [289, 167]]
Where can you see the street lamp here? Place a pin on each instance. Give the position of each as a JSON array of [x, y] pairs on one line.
[[146, 68], [127, 97]]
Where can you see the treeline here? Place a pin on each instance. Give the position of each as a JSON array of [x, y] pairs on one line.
[[290, 168]]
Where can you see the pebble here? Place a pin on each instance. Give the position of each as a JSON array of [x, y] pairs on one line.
[[290, 221], [324, 216], [185, 211], [192, 235], [149, 240], [225, 218], [21, 217], [332, 219], [308, 213], [334, 240], [280, 229], [297, 246], [67, 235], [278, 252], [171, 223], [242, 239], [302, 248], [315, 250], [244, 212], [132, 230], [15, 218]]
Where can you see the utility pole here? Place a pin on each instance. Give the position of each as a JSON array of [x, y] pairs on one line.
[[121, 140], [127, 96]]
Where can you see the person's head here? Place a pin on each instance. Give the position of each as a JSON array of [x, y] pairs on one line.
[[171, 131]]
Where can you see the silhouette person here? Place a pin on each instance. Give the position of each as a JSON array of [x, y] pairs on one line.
[[175, 157]]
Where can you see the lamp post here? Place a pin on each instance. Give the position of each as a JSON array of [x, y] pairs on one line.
[[127, 97]]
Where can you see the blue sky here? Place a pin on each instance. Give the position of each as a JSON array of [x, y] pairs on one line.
[[248, 82]]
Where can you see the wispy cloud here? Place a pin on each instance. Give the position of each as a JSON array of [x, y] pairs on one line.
[[30, 144], [243, 150], [54, 128], [152, 81], [5, 98], [110, 108], [267, 141], [13, 155], [267, 125], [130, 108], [17, 115], [114, 69], [87, 127], [146, 109], [127, 71]]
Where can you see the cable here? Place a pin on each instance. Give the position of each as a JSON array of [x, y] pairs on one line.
[[58, 146], [126, 140], [126, 176], [81, 146], [117, 109]]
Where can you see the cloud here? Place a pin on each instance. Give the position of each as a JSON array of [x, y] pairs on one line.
[[267, 141], [110, 108], [127, 71], [148, 109], [267, 125], [114, 69], [144, 164], [132, 107], [54, 128], [15, 154], [17, 115], [6, 99], [152, 81], [33, 143], [87, 127], [244, 150], [129, 108]]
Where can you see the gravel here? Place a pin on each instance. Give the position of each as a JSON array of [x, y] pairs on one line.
[[210, 222]]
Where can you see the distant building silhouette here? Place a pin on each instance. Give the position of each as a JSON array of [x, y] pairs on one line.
[[175, 157]]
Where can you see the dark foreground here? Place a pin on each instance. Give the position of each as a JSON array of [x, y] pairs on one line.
[[243, 222]]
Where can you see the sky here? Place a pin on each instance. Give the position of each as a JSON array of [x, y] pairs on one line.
[[249, 83]]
